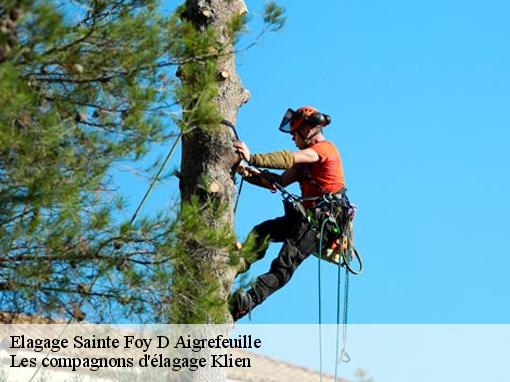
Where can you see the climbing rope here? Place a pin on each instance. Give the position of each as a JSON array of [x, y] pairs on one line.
[[342, 355], [238, 194], [323, 225], [156, 178], [346, 251], [233, 128]]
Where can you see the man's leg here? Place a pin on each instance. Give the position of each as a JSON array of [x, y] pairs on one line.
[[300, 243], [273, 230], [291, 255]]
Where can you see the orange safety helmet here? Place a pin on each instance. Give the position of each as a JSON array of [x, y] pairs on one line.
[[306, 115]]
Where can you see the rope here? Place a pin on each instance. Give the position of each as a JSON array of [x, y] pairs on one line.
[[156, 178], [321, 237], [227, 123], [238, 194], [338, 315], [342, 355]]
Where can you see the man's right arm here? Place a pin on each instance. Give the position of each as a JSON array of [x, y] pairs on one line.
[[267, 178], [254, 177], [289, 176]]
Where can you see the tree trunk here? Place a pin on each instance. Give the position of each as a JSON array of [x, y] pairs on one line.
[[210, 157]]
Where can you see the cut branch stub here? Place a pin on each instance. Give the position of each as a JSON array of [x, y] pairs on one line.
[[178, 73], [206, 13], [246, 95], [241, 8], [214, 187], [223, 75], [80, 117], [77, 68]]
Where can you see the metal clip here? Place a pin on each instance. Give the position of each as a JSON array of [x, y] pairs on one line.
[[344, 356]]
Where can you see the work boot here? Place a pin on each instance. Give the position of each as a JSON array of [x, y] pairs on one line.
[[240, 304]]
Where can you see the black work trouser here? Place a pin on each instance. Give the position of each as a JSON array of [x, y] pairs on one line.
[[299, 242]]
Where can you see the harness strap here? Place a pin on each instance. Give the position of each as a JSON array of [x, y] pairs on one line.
[[340, 193]]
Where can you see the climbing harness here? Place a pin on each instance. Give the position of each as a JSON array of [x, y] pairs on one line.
[[328, 208], [337, 211]]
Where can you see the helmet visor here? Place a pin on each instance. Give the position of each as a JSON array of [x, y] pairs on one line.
[[285, 123]]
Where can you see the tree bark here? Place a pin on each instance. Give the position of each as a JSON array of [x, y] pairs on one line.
[[210, 155], [205, 154]]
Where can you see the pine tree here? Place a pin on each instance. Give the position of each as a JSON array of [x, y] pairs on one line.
[[82, 88]]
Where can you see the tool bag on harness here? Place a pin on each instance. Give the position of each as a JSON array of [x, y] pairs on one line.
[[335, 214], [330, 214]]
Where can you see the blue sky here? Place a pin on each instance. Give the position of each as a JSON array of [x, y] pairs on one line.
[[418, 93]]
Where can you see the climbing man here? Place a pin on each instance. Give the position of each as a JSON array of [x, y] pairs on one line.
[[317, 166]]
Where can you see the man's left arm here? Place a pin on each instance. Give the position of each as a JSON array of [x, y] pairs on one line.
[[282, 159], [306, 156]]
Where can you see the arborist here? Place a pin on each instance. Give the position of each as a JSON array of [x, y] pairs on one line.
[[317, 166]]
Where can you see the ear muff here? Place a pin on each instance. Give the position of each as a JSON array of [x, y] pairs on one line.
[[327, 119], [318, 119]]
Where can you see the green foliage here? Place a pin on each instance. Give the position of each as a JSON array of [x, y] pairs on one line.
[[198, 282], [198, 53], [89, 84], [241, 260], [237, 27], [274, 16], [205, 258], [77, 94]]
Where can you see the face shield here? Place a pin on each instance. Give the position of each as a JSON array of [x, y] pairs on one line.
[[285, 123]]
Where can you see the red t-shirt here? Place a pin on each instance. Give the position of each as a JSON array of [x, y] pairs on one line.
[[326, 175]]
